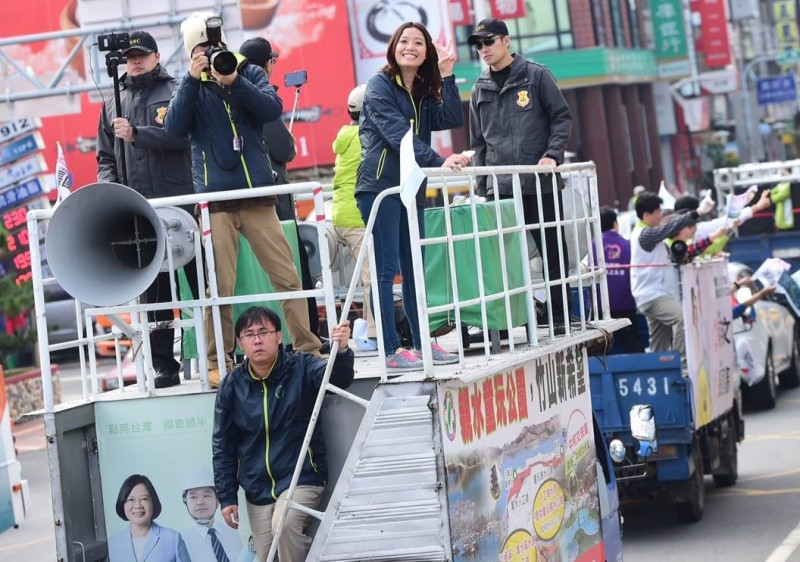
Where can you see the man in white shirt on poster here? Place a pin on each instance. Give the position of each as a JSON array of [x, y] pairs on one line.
[[207, 539]]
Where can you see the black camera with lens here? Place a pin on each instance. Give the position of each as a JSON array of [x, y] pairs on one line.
[[220, 58], [113, 42], [678, 252]]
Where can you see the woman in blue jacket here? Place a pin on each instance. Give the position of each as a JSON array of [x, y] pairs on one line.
[[143, 540], [417, 84]]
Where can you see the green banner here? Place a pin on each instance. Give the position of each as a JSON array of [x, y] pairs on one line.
[[251, 279], [670, 37], [440, 284]]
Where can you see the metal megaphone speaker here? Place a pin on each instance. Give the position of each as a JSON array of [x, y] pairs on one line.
[[105, 244]]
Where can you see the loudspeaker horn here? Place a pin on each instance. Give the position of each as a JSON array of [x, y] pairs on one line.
[[105, 244]]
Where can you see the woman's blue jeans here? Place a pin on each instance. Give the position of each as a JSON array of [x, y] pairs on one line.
[[392, 250]]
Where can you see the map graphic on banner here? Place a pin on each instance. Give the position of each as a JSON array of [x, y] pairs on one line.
[[709, 338], [520, 460]]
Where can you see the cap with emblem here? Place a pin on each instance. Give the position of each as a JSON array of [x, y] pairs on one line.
[[487, 28], [142, 41]]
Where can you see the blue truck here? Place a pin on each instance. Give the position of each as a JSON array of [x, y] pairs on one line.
[[672, 465], [668, 420]]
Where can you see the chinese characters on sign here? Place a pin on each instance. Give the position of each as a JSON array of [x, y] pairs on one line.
[[776, 89], [709, 339], [498, 401], [520, 461], [713, 44], [670, 38], [560, 380]]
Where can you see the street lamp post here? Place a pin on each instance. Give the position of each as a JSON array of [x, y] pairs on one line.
[[747, 70]]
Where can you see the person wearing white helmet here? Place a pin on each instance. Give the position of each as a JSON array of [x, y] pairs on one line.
[[223, 109], [208, 538], [346, 218]]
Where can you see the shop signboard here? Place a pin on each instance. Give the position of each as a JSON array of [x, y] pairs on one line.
[[670, 38], [776, 89]]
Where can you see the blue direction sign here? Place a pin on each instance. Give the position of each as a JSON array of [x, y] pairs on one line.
[[20, 147], [20, 170], [20, 193], [776, 89]]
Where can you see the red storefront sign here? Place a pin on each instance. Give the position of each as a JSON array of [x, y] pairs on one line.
[[310, 35], [508, 9], [713, 43]]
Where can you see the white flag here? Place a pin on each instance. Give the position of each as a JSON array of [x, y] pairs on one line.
[[738, 202], [667, 200], [411, 175], [63, 177]]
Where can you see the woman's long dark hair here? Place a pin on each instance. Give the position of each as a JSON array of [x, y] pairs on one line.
[[428, 81]]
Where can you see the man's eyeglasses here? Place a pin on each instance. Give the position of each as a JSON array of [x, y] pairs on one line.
[[488, 41], [262, 335]]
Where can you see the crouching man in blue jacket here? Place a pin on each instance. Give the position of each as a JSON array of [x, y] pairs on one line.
[[260, 418]]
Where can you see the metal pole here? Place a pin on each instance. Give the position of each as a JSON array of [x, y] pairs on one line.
[[747, 69]]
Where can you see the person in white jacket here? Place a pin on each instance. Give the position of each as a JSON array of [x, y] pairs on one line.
[[653, 276]]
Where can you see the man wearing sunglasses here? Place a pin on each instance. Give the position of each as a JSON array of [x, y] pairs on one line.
[[518, 116]]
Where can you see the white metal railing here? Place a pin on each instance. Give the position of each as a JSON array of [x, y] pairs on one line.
[[594, 278], [139, 323], [726, 180]]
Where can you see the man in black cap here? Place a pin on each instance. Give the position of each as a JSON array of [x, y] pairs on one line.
[[158, 165], [281, 151], [518, 116]]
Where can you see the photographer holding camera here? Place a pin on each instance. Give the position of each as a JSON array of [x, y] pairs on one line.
[[224, 106], [131, 137]]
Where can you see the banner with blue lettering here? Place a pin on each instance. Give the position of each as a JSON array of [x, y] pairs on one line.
[[18, 194]]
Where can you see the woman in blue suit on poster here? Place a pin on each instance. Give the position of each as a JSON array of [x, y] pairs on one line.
[[143, 540]]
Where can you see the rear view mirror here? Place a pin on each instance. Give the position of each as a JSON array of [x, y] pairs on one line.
[[743, 294], [643, 428]]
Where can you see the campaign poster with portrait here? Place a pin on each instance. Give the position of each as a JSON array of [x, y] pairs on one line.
[[520, 462], [708, 319], [167, 440]]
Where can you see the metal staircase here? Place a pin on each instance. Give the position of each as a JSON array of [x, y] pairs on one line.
[[390, 500]]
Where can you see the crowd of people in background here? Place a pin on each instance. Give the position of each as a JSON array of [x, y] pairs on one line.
[[642, 272]]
